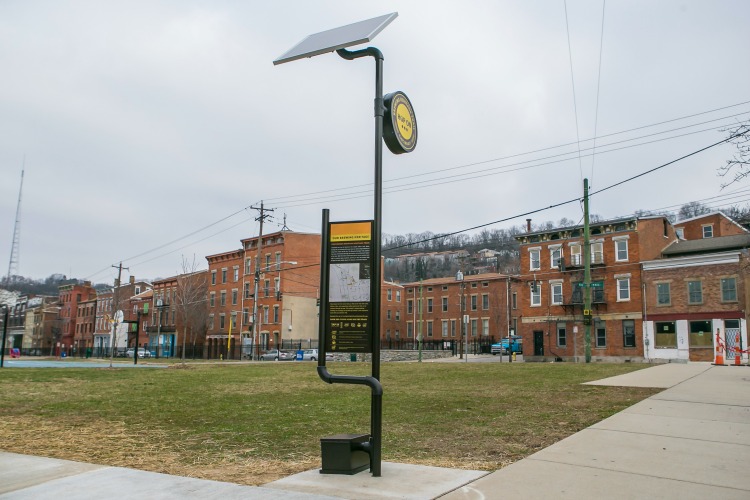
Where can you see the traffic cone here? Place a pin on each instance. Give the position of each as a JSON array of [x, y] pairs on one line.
[[719, 357]]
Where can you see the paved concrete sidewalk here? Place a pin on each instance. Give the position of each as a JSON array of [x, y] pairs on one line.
[[690, 441]]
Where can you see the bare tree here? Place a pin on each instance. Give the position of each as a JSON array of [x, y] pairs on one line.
[[739, 165], [190, 301], [692, 209]]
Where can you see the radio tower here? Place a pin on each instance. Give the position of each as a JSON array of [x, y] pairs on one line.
[[13, 264]]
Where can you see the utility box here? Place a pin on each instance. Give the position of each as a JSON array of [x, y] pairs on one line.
[[344, 453]]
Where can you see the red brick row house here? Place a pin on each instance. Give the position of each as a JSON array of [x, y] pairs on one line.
[[437, 307], [551, 294]]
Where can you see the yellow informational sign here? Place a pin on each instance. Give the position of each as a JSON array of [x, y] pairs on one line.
[[351, 231], [349, 313]]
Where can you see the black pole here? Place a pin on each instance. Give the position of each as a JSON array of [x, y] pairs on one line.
[[5, 334], [376, 407]]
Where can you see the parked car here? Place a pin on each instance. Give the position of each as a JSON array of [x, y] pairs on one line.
[[276, 355], [506, 345], [312, 355], [142, 353]]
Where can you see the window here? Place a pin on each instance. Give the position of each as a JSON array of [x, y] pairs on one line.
[[213, 277], [409, 307], [398, 315], [665, 334], [597, 253], [621, 250], [453, 328], [236, 272], [474, 327], [555, 255], [389, 294], [485, 301], [265, 314], [429, 328], [628, 333], [398, 295], [278, 260], [248, 266], [445, 328], [601, 334], [247, 290], [234, 297], [534, 262], [663, 294], [224, 275], [536, 295], [210, 321], [221, 321], [275, 314], [246, 315], [575, 255], [485, 327], [223, 300], [514, 300], [409, 329], [557, 293], [266, 288], [623, 289], [728, 290], [268, 263], [708, 231], [388, 314], [473, 302], [680, 231], [562, 335], [233, 319], [445, 304], [695, 292], [700, 334], [429, 305]]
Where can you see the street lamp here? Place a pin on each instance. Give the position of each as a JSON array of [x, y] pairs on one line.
[[258, 270], [464, 338]]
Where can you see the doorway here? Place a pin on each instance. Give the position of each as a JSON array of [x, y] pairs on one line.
[[538, 343]]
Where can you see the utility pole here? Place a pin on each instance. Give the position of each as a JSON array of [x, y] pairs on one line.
[[256, 332], [586, 274], [115, 306]]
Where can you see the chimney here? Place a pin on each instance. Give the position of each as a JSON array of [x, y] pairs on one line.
[[86, 283], [528, 225], [132, 280]]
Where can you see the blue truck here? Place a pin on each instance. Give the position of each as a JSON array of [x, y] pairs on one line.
[[514, 343]]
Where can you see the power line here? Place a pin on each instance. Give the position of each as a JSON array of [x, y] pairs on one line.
[[573, 83]]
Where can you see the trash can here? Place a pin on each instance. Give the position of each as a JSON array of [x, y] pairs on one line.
[[353, 356], [300, 355], [88, 352]]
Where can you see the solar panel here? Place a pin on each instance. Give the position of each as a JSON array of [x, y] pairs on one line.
[[337, 38]]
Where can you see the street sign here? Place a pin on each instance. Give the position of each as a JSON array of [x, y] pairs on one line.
[[597, 284], [587, 312]]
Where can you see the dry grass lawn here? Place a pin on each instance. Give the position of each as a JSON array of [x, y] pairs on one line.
[[254, 423]]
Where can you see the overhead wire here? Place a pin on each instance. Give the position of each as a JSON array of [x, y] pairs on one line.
[[573, 83], [598, 88]]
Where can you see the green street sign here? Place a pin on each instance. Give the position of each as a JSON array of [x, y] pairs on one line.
[[597, 284]]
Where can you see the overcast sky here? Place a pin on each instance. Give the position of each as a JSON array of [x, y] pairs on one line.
[[142, 122]]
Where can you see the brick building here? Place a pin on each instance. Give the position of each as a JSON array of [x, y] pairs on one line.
[[550, 299], [696, 290], [69, 297], [178, 313], [434, 307], [392, 312], [105, 314], [712, 225], [288, 274], [42, 326], [85, 323]]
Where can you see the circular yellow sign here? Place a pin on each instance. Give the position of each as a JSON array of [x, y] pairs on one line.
[[399, 123]]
